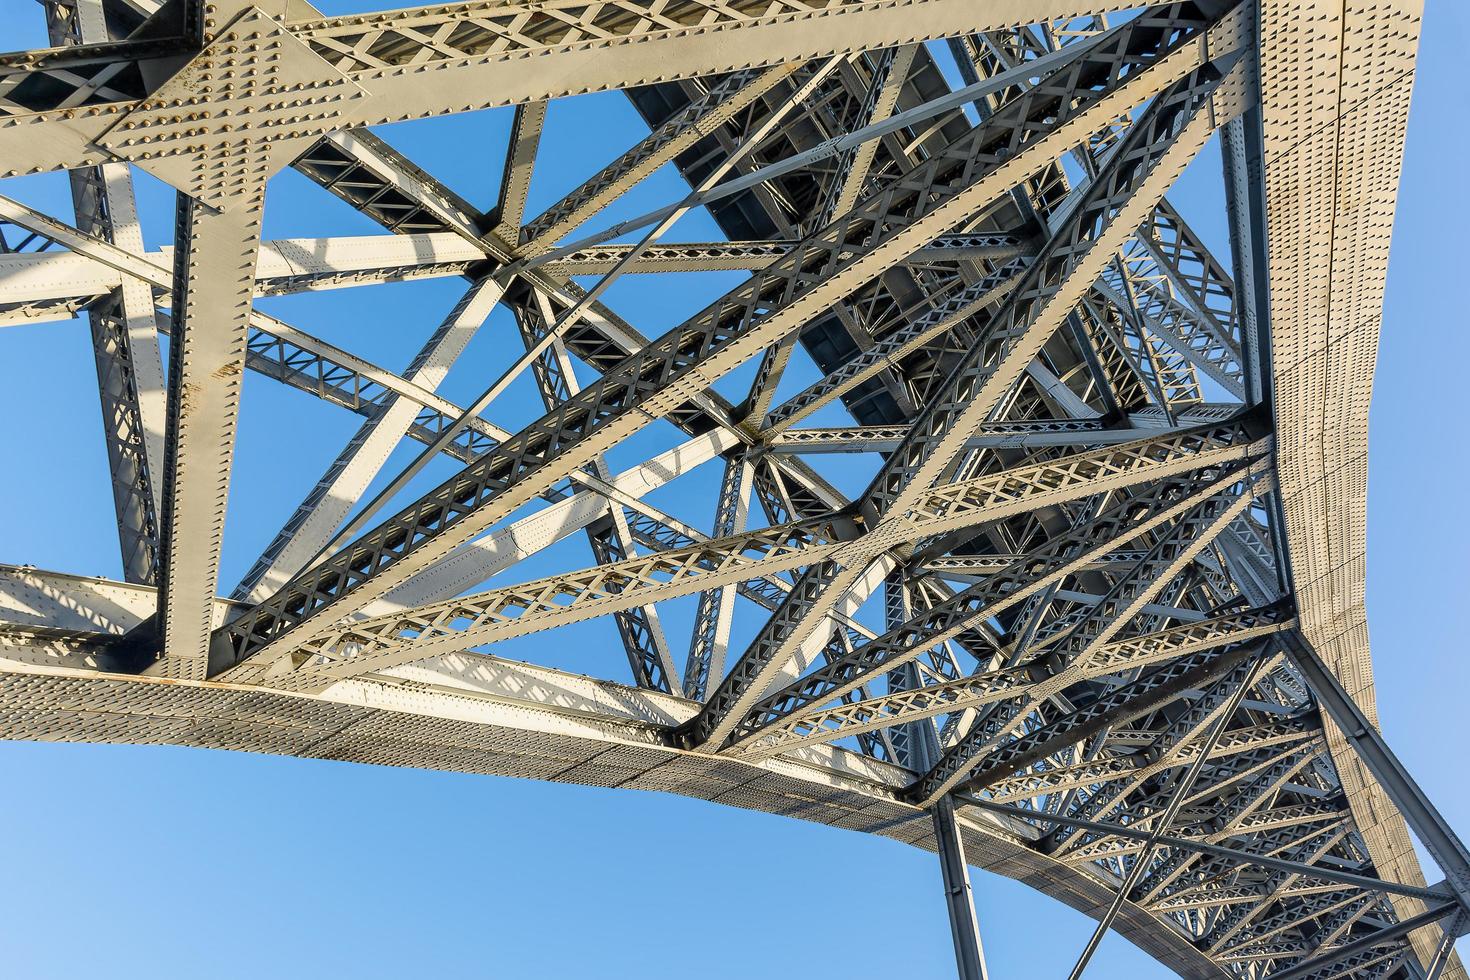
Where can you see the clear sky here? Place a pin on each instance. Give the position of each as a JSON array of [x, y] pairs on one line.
[[126, 862]]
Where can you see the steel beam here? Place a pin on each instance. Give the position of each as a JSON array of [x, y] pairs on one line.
[[1028, 575], [525, 137], [710, 641], [283, 267], [908, 220], [959, 899], [1316, 965], [1021, 330], [124, 336], [1204, 847], [215, 283], [638, 627], [317, 518], [1161, 825], [1442, 843]]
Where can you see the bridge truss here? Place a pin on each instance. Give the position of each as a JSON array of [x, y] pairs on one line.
[[1094, 618]]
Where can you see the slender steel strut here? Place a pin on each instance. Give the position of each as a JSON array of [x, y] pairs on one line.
[[979, 500], [959, 900]]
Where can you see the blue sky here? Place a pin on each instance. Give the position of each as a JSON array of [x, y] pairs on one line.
[[164, 862]]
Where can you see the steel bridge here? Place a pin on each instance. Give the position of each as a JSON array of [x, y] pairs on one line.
[[1094, 620]]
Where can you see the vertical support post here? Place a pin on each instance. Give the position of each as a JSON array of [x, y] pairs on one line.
[[919, 749], [214, 287], [1428, 825], [1243, 159], [959, 899]]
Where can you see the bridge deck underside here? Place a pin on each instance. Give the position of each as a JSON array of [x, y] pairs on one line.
[[406, 725]]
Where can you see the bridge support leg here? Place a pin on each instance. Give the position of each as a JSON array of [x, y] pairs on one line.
[[1428, 825], [958, 897]]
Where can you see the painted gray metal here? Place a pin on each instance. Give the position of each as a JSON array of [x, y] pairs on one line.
[[1117, 474]]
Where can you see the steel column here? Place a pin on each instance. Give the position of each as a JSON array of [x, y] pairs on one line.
[[959, 899]]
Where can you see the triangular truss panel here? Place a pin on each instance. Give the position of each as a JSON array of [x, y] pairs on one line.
[[976, 499]]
